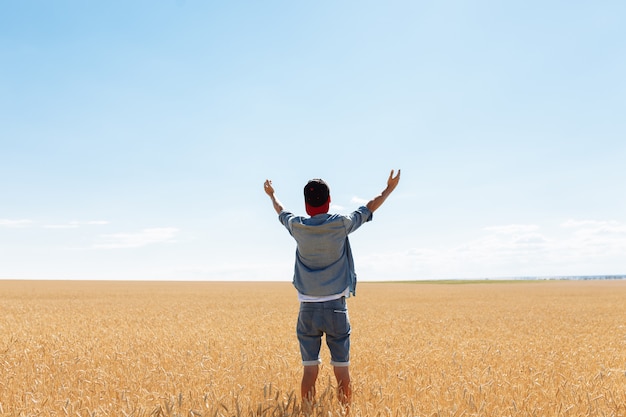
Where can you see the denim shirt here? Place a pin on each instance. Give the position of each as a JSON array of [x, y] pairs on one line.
[[324, 263]]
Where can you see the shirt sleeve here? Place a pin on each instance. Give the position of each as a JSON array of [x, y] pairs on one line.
[[358, 217], [284, 217]]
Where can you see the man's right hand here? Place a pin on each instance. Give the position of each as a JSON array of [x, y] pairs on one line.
[[392, 182]]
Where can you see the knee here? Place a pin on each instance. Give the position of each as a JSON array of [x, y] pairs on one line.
[[310, 372]]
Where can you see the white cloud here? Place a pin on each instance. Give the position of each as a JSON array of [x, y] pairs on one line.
[[359, 201], [15, 223], [95, 222], [598, 238], [61, 226], [138, 239], [596, 227], [577, 248], [75, 224], [513, 228]]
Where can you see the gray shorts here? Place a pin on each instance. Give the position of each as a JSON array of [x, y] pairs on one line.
[[330, 318]]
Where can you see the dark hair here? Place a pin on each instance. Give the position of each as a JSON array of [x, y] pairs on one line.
[[316, 192]]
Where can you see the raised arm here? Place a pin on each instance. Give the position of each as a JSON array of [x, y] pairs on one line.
[[377, 201], [269, 190]]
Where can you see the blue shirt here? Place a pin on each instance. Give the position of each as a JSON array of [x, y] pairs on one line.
[[324, 263]]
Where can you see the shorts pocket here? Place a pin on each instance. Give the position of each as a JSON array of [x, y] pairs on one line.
[[305, 326], [340, 322]]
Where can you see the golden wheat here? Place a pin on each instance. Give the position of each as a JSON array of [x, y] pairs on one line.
[[229, 349]]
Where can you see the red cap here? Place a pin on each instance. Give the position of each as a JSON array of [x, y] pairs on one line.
[[312, 211], [316, 197]]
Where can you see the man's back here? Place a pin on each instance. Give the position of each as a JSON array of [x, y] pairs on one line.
[[324, 264]]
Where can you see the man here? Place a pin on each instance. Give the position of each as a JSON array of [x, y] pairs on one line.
[[324, 277]]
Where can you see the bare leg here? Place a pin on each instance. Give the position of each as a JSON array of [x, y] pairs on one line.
[[344, 391], [307, 388]]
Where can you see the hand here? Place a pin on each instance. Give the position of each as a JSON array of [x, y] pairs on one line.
[[377, 201], [392, 182], [269, 190]]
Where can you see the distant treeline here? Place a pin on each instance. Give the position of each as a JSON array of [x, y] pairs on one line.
[[574, 277]]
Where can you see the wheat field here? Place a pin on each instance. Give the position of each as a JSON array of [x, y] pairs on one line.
[[540, 348]]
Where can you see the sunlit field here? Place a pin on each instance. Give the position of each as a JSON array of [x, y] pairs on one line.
[[545, 348]]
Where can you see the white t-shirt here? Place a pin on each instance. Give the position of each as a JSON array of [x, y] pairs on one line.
[[321, 298]]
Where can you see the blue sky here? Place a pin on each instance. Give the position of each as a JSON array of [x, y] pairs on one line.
[[135, 137]]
